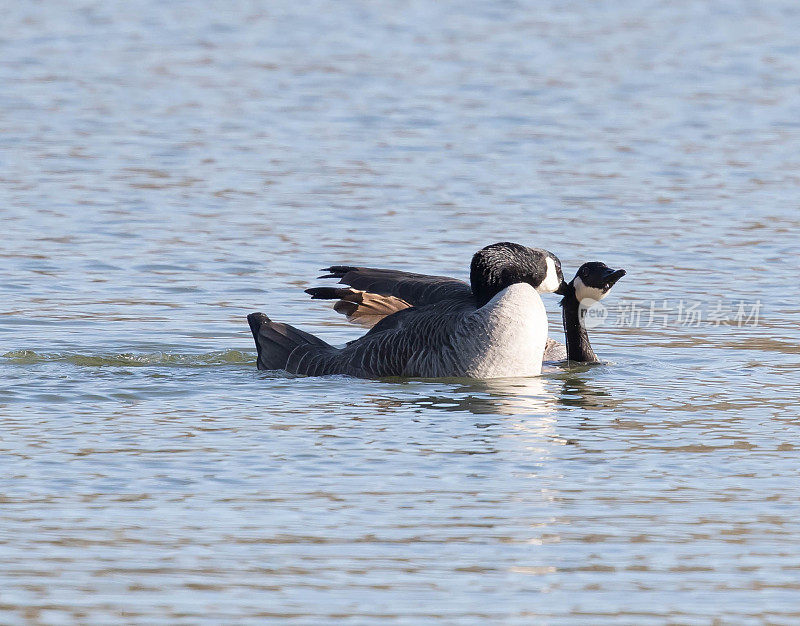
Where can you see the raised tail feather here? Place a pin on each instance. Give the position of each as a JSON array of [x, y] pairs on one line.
[[281, 346]]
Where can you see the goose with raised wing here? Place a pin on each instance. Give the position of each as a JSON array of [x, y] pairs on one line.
[[494, 327], [376, 294]]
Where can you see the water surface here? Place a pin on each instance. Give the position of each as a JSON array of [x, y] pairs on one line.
[[168, 168]]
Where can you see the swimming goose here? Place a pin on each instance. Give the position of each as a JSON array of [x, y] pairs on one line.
[[376, 294], [592, 283], [494, 327]]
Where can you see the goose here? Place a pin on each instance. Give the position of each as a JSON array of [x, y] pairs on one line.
[[494, 327], [592, 282], [378, 295]]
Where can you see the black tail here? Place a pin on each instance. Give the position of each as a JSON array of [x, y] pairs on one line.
[[275, 342]]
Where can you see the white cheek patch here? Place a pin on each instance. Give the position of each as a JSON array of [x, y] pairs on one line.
[[551, 280], [583, 291]]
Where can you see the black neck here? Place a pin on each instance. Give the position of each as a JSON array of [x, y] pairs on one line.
[[578, 346]]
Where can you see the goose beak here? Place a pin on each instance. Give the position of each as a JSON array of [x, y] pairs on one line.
[[564, 286], [613, 277]]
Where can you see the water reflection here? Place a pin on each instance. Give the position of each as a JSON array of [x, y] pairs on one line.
[[500, 396], [238, 151], [578, 390], [535, 396], [508, 396]]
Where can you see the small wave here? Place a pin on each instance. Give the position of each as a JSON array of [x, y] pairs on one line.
[[133, 359]]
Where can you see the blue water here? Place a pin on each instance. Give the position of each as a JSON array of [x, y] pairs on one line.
[[167, 168]]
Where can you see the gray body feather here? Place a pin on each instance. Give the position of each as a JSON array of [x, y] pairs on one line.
[[416, 341], [425, 326], [372, 298], [554, 352]]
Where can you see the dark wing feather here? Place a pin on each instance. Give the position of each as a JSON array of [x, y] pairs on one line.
[[416, 289]]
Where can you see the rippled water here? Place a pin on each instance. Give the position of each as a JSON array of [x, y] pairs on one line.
[[168, 168]]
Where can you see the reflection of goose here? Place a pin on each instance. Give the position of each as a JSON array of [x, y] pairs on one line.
[[580, 392], [519, 396], [438, 326], [531, 396], [592, 282]]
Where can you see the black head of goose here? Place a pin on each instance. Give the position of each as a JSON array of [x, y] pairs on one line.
[[429, 326], [500, 265], [592, 283]]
